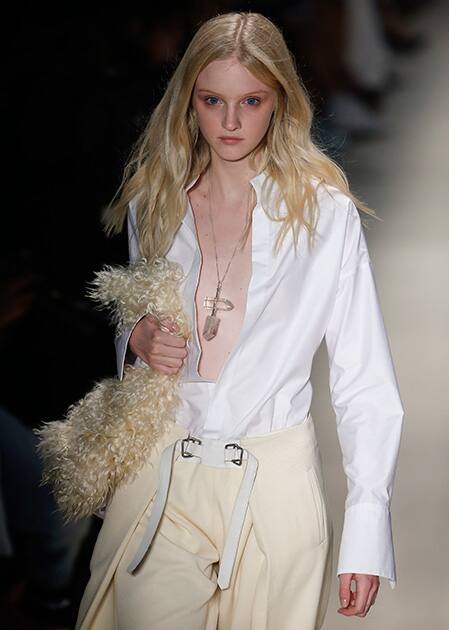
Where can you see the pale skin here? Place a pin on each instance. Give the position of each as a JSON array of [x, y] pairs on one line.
[[229, 102]]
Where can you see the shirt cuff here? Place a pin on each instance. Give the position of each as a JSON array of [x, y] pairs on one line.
[[367, 542], [121, 348]]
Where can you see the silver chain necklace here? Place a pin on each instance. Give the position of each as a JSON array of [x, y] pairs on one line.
[[218, 303]]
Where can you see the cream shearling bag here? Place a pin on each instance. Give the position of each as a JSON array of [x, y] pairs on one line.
[[106, 437]]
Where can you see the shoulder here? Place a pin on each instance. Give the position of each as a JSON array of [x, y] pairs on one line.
[[330, 200], [334, 201], [340, 223]]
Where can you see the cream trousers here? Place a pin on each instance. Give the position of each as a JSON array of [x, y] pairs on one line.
[[281, 572]]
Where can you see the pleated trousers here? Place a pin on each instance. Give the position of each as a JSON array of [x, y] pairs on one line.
[[282, 571]]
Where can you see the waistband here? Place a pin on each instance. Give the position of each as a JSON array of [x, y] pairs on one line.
[[301, 432], [227, 454], [215, 453]]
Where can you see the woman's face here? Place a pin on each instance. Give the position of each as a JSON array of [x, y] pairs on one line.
[[233, 108]]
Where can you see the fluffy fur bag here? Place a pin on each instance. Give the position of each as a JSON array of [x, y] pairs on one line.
[[106, 437]]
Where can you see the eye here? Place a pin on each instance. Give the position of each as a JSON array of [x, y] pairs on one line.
[[211, 100], [253, 100]]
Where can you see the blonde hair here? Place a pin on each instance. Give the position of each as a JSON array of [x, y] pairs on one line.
[[171, 152]]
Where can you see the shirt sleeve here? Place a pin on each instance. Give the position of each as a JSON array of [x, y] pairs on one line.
[[368, 408], [123, 354]]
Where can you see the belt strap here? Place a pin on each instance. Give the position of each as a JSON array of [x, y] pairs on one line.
[[160, 500], [236, 523]]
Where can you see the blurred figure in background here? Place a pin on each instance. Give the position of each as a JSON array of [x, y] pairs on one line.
[[40, 560], [38, 553], [345, 49]]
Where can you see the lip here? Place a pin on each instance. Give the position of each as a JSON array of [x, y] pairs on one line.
[[230, 140]]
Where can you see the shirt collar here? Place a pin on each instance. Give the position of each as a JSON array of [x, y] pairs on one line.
[[255, 181]]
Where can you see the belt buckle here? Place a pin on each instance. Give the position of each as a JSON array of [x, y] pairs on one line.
[[184, 452], [239, 459]]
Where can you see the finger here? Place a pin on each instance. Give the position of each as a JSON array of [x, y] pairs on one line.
[[374, 588], [169, 326], [374, 593], [345, 589], [371, 599], [161, 338], [353, 609], [159, 351], [164, 369], [363, 587], [165, 325], [173, 341], [170, 362]]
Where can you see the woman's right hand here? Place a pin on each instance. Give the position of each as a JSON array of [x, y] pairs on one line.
[[161, 350]]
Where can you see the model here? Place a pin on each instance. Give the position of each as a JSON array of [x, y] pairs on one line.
[[226, 524]]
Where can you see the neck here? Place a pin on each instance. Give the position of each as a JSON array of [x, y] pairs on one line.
[[229, 179]]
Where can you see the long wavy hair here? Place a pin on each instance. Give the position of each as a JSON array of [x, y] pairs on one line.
[[171, 151]]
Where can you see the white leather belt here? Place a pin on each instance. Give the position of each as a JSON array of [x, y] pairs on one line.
[[214, 453]]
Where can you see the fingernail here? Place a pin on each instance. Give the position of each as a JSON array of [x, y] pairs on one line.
[[344, 602]]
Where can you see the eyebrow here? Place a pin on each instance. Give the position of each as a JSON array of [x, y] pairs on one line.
[[247, 94]]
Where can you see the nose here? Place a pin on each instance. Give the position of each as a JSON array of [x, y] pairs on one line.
[[231, 120]]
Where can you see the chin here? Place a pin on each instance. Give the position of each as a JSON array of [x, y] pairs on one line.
[[232, 153]]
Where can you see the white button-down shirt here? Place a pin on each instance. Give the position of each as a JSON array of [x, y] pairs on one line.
[[264, 385]]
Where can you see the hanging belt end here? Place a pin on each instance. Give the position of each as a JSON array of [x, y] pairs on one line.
[[132, 567], [223, 581]]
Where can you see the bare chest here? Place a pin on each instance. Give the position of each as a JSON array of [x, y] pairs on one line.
[[228, 231]]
